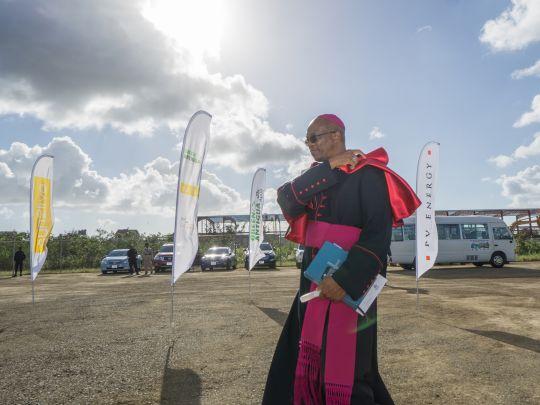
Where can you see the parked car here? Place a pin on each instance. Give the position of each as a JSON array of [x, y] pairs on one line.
[[117, 260], [218, 256], [299, 256], [268, 260], [163, 258]]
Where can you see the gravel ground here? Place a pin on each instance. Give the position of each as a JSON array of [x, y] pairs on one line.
[[107, 339]]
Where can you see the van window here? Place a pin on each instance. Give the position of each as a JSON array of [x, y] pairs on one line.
[[474, 231], [397, 234], [501, 233], [409, 232], [448, 231]]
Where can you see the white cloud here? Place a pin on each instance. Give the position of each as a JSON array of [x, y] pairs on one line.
[[501, 160], [75, 181], [427, 28], [270, 201], [516, 28], [107, 224], [246, 144], [5, 171], [532, 116], [150, 189], [376, 133], [533, 70], [133, 71], [522, 152], [6, 213], [526, 151], [523, 189]]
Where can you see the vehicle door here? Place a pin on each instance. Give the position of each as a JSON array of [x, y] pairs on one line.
[[477, 245], [503, 241], [450, 244], [397, 253]]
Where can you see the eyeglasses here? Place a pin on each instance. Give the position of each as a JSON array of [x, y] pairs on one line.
[[314, 138]]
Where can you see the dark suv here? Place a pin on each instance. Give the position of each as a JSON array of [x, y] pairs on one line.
[[163, 259], [269, 259], [218, 256]]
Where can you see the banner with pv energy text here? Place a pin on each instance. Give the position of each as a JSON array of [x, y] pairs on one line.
[[41, 212], [186, 239], [256, 230], [427, 241]]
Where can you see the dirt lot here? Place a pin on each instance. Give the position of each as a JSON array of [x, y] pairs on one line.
[[107, 339]]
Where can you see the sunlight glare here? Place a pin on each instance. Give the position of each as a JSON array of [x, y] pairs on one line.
[[196, 25]]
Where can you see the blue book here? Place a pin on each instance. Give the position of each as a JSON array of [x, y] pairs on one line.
[[327, 261]]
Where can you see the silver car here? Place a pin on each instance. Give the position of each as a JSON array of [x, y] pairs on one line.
[[299, 255], [117, 260]]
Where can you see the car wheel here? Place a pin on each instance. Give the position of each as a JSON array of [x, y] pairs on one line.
[[298, 265], [478, 264], [497, 260], [273, 265], [103, 272], [228, 267]]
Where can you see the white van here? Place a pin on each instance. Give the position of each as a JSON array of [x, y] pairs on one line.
[[462, 239]]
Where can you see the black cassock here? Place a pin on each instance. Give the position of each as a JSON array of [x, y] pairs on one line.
[[359, 199]]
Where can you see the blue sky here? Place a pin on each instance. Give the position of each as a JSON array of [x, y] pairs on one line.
[[108, 86]]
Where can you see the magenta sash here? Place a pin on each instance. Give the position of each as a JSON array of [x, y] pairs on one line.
[[340, 355]]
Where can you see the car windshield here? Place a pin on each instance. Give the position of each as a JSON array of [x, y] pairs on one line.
[[218, 251], [166, 249], [266, 246], [118, 252]]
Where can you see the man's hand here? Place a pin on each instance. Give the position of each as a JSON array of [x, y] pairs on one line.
[[349, 157], [331, 290]]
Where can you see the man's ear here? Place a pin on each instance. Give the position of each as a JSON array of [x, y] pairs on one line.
[[338, 136]]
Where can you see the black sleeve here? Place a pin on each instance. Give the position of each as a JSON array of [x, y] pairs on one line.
[[294, 195], [367, 257]]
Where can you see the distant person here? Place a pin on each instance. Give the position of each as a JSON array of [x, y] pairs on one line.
[[148, 259], [132, 258], [19, 260]]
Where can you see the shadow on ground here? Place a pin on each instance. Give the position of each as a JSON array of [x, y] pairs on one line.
[[275, 314], [409, 290], [523, 342], [480, 272], [180, 386]]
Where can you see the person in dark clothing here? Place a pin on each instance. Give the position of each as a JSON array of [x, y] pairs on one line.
[[19, 260], [132, 259], [353, 198]]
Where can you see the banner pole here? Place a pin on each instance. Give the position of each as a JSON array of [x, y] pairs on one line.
[[417, 294], [33, 300], [249, 277], [172, 304]]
